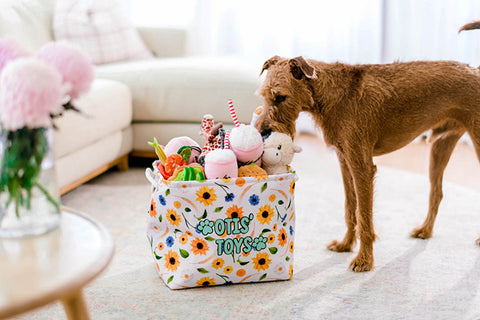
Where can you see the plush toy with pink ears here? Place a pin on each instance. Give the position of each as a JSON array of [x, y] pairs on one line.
[[278, 153]]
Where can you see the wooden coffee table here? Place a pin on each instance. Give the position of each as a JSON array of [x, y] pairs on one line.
[[35, 271]]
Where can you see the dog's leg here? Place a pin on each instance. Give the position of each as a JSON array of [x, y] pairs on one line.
[[440, 153], [363, 173], [350, 206], [475, 136]]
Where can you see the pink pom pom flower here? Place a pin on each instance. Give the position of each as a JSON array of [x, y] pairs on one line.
[[75, 68], [30, 91], [10, 49]]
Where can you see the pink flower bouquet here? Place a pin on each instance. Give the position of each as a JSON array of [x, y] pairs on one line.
[[33, 91], [10, 50], [75, 68]]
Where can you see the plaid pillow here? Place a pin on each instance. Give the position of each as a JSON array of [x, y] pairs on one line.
[[100, 28]]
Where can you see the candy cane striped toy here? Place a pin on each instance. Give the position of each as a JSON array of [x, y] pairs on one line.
[[232, 113]]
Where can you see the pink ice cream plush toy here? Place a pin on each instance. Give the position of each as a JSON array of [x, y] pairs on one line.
[[245, 141], [221, 164], [247, 144]]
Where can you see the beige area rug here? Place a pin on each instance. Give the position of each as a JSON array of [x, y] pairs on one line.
[[413, 279]]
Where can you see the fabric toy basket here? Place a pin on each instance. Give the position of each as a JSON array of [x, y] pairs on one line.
[[222, 231]]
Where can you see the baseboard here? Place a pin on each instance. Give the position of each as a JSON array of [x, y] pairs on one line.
[[143, 154]]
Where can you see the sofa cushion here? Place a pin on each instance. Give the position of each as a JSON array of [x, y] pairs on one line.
[[27, 21], [184, 89], [88, 159], [100, 28], [107, 108]]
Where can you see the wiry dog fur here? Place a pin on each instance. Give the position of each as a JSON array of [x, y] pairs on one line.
[[369, 110]]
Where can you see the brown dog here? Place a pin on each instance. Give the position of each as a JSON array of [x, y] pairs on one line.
[[369, 110]]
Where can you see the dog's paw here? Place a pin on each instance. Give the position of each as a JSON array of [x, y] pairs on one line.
[[478, 242], [421, 233], [339, 246], [361, 264]]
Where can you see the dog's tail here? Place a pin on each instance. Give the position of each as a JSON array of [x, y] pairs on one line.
[[470, 26]]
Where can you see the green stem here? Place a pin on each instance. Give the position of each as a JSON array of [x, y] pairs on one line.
[[29, 199], [278, 214], [17, 205], [223, 277], [187, 223], [223, 187], [49, 197]]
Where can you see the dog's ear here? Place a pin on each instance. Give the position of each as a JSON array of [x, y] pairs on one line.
[[297, 148], [270, 62], [299, 68], [470, 26]]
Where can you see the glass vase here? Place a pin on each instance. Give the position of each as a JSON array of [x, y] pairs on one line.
[[29, 196]]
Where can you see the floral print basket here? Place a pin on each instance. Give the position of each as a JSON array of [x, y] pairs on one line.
[[222, 231]]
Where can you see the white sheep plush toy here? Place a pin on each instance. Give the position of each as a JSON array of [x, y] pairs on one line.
[[278, 153]]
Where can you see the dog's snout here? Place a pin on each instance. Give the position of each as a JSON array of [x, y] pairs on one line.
[[265, 133]]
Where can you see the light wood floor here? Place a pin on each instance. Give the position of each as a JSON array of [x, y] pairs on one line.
[[463, 168]]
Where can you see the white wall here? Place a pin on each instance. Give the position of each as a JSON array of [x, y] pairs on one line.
[[367, 31]]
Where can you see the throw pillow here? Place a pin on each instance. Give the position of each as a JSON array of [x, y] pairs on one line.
[[100, 28]]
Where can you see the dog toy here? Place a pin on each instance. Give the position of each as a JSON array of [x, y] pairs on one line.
[[158, 150], [278, 152], [179, 144], [245, 141], [173, 161], [255, 115], [167, 165], [220, 164], [163, 159], [191, 172], [233, 113], [212, 134], [251, 170]]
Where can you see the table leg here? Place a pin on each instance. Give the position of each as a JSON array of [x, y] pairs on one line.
[[75, 306]]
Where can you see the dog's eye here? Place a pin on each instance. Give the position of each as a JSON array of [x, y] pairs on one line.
[[279, 147], [279, 99]]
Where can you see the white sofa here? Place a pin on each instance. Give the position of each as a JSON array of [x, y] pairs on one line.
[[131, 102]]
